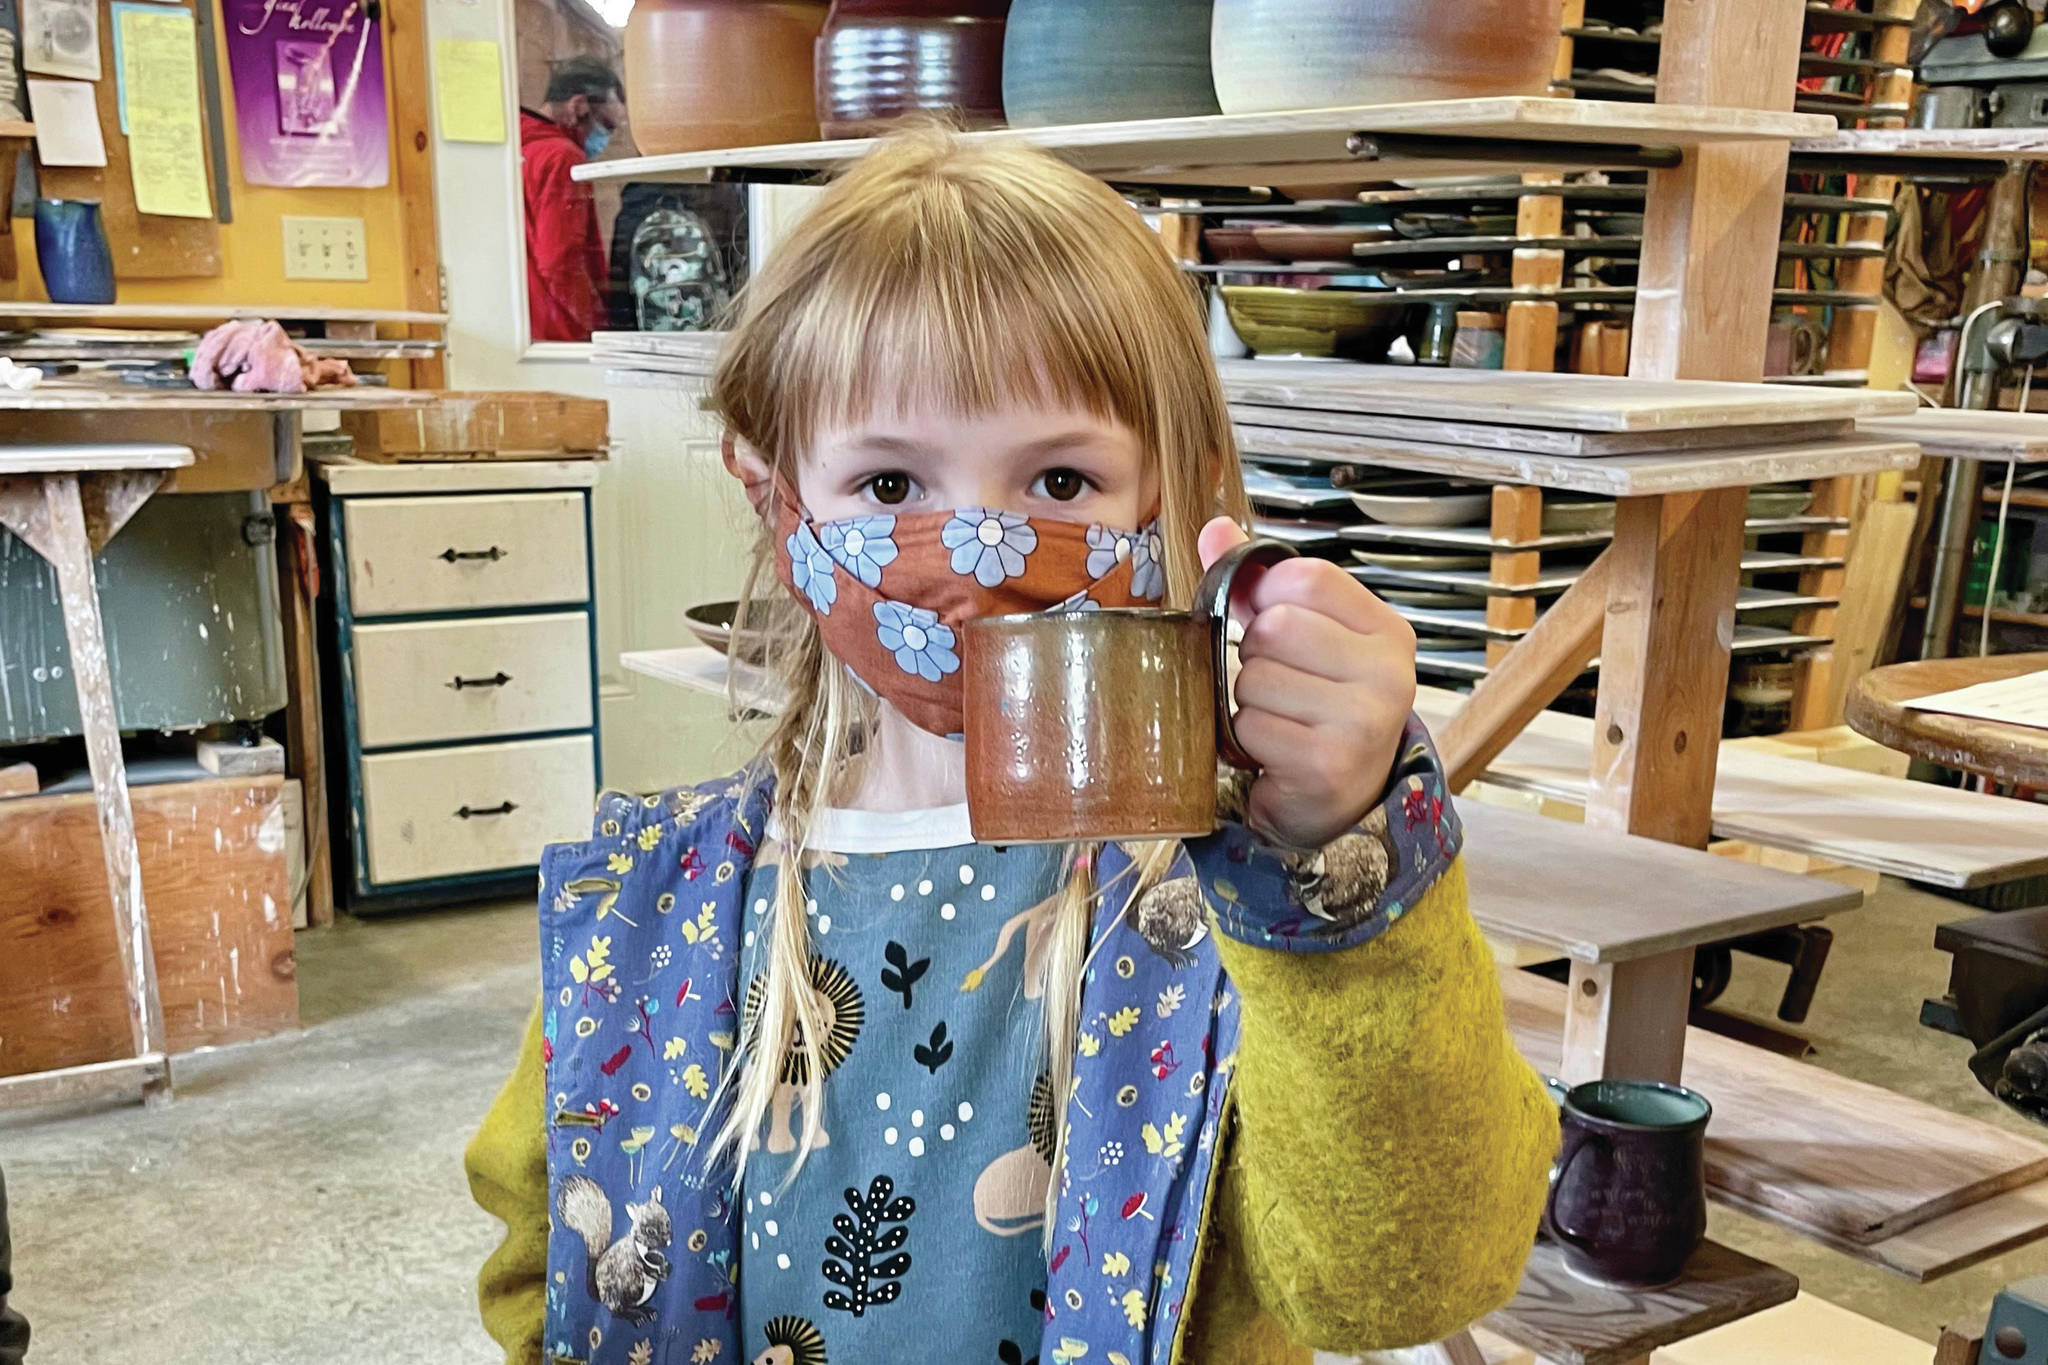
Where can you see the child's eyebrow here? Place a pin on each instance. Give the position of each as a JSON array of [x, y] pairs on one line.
[[1079, 438]]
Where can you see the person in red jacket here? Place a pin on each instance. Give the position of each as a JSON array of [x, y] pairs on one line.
[[565, 261]]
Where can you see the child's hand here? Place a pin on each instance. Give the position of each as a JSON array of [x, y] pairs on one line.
[[1327, 683]]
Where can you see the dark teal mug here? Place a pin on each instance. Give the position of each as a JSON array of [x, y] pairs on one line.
[[1628, 1195]]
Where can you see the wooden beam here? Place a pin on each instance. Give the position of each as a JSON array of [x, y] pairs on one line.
[[1620, 1019], [1664, 663], [406, 24], [1555, 651], [1517, 515]]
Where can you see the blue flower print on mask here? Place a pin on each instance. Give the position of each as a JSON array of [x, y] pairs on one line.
[[1148, 563], [810, 569], [1080, 601], [1106, 549], [915, 636], [863, 546], [988, 544]]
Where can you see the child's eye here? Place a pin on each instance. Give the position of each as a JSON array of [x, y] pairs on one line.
[[889, 489], [1061, 485]]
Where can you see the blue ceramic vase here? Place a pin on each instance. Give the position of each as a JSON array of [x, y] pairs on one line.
[[72, 251], [1099, 61]]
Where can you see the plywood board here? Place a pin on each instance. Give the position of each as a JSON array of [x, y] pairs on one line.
[[1572, 907], [145, 246], [1536, 440], [1825, 1153], [1940, 1246], [215, 878], [1571, 402], [1916, 830], [70, 397], [110, 313], [1224, 148], [1987, 144], [1570, 1321], [1968, 434], [1619, 476]]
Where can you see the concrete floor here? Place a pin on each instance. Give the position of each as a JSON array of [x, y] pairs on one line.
[[303, 1200]]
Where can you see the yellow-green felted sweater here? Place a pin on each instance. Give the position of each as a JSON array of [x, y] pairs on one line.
[[1388, 1154]]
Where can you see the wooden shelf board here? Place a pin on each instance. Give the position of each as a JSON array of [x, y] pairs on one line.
[[2011, 618], [1987, 144], [1968, 434], [17, 130], [1825, 18], [2021, 497], [1240, 149], [61, 397], [188, 312]]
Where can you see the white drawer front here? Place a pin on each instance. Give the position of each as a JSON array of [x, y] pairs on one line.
[[421, 681], [461, 553], [413, 824]]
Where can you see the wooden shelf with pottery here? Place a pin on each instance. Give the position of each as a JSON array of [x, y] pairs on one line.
[[1299, 146], [59, 396], [193, 312]]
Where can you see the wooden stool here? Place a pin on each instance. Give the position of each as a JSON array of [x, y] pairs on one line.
[[65, 502]]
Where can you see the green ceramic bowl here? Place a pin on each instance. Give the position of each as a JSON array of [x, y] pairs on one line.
[[1315, 322]]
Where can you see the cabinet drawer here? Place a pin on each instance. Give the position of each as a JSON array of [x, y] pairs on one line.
[[461, 553], [421, 681], [414, 824]]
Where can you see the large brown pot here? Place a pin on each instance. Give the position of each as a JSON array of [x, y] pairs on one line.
[[879, 60], [1310, 54], [703, 74]]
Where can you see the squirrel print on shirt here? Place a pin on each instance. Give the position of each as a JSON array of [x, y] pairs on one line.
[[625, 1273]]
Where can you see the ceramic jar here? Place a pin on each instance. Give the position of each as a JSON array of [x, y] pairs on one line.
[[879, 60], [1090, 61], [1309, 54], [703, 74], [72, 253]]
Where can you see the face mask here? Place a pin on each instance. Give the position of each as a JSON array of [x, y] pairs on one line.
[[889, 592], [596, 140]]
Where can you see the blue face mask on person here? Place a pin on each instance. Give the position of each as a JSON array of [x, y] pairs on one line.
[[596, 140]]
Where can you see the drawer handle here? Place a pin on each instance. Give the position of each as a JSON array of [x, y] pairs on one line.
[[472, 812], [498, 679], [451, 554]]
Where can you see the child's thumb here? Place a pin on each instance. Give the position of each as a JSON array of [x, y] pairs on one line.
[[1218, 536]]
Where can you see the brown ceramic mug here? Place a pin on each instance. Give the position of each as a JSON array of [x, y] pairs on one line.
[[1103, 724]]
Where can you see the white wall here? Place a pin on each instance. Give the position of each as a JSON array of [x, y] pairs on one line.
[[671, 528]]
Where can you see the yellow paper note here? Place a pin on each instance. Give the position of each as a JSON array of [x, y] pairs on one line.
[[469, 90], [166, 147]]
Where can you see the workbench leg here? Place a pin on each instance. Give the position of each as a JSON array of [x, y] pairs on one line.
[[305, 756], [65, 543], [1626, 1020]]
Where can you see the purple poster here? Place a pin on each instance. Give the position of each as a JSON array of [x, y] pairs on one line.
[[309, 92]]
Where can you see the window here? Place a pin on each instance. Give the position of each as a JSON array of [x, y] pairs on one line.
[[621, 255]]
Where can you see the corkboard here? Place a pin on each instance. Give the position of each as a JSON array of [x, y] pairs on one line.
[[146, 246]]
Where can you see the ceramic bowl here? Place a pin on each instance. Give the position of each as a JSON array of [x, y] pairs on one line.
[[711, 623], [1564, 517], [1773, 503], [1320, 242], [1428, 599], [1442, 505], [1416, 561], [1235, 242], [1315, 322]]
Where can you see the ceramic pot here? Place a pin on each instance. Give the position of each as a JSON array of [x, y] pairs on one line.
[[879, 60], [702, 74], [1095, 61], [72, 251], [1308, 54], [1628, 1195]]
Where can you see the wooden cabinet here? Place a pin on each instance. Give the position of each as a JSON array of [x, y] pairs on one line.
[[461, 646]]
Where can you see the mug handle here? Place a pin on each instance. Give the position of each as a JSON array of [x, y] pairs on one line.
[[1212, 603], [1557, 1175]]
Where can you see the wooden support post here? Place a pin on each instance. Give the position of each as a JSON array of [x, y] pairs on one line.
[[1517, 516], [1531, 342], [1620, 1022], [54, 526], [1664, 663], [298, 576], [405, 26], [1814, 704]]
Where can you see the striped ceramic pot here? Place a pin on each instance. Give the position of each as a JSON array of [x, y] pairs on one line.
[[1094, 61]]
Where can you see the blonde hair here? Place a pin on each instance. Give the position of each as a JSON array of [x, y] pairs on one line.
[[968, 276]]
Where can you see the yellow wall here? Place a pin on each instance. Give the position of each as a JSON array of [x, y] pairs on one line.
[[252, 247]]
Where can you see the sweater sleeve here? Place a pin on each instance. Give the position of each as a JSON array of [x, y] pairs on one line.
[[508, 1175], [1391, 1150]]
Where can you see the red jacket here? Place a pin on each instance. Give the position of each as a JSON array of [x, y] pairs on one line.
[[565, 262]]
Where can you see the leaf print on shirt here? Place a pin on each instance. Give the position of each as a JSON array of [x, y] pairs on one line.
[[987, 544], [873, 1228], [922, 644], [902, 974], [863, 546], [792, 1341], [936, 1053], [810, 570]]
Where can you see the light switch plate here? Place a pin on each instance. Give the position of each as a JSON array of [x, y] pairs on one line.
[[324, 249]]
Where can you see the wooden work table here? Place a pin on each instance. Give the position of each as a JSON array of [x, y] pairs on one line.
[[2008, 753]]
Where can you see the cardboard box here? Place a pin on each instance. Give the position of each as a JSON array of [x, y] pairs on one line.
[[511, 424]]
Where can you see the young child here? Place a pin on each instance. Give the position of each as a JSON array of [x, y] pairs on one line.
[[814, 1077]]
